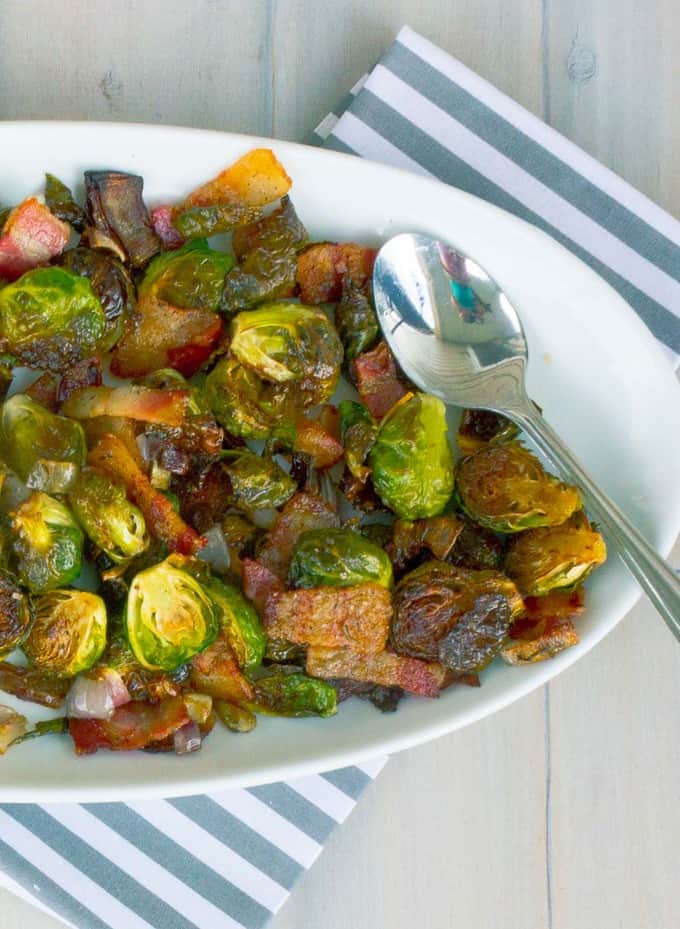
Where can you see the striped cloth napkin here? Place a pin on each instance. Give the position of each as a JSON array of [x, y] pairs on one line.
[[229, 860]]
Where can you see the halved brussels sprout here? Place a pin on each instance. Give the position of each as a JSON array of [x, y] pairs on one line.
[[69, 632], [15, 615], [554, 557], [338, 558], [169, 616], [358, 431], [51, 318], [479, 427], [114, 524], [281, 693], [240, 623], [247, 406], [188, 277], [48, 543], [411, 459], [355, 320], [39, 444], [256, 482], [287, 342], [505, 488]]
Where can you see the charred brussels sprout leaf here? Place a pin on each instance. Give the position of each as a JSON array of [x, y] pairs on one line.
[[15, 615], [48, 543], [338, 558], [169, 616], [247, 406], [240, 623], [477, 636], [59, 200], [282, 694], [356, 321], [553, 558], [189, 277], [51, 318], [110, 282], [358, 431], [115, 208], [411, 459], [257, 483], [479, 427], [40, 446], [114, 524], [286, 342], [505, 488], [430, 600], [201, 221], [69, 632]]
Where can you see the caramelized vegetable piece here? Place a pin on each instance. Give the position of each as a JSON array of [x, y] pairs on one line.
[[505, 488], [377, 380], [358, 431], [284, 694], [323, 268], [44, 391], [257, 482], [387, 669], [68, 635], [59, 201], [541, 641], [31, 236], [356, 617], [164, 336], [48, 543], [355, 319], [205, 496], [33, 686], [239, 622], [191, 277], [86, 373], [216, 672], [431, 600], [161, 220], [438, 535], [167, 407], [16, 615], [479, 427], [476, 638], [116, 208], [476, 547], [12, 727], [111, 456], [235, 718], [314, 440], [303, 512], [132, 726]]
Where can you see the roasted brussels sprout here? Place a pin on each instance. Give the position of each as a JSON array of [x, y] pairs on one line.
[[114, 524], [505, 488], [15, 615], [240, 623], [247, 406], [45, 450], [257, 482], [169, 616], [479, 427], [358, 431], [59, 200], [411, 460], [110, 282], [338, 558], [355, 320], [283, 694], [236, 718], [287, 342], [48, 543], [115, 208], [188, 277], [477, 636], [430, 600], [476, 547], [553, 557], [68, 634], [51, 318]]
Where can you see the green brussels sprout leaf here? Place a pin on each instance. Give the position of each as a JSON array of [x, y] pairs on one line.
[[68, 635]]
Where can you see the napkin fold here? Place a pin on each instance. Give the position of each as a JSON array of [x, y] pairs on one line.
[[229, 860]]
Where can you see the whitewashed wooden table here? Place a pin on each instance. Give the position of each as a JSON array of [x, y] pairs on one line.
[[563, 811]]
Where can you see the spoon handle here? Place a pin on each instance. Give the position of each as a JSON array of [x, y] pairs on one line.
[[654, 576]]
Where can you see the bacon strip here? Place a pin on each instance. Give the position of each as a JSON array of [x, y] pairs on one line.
[[148, 404], [322, 268], [258, 583], [161, 220], [419, 677], [134, 725], [216, 672], [377, 380], [313, 439], [302, 512], [31, 237]]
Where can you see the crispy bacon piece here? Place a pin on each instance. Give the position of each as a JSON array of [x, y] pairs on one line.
[[161, 220], [147, 404], [322, 268], [112, 457], [255, 179], [558, 603], [544, 639], [31, 236], [32, 685], [205, 497], [161, 335], [377, 380], [124, 429], [86, 373], [216, 672], [134, 725], [303, 511], [313, 439], [333, 617], [419, 677], [259, 583]]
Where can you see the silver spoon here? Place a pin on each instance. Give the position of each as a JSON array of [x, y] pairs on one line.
[[457, 336]]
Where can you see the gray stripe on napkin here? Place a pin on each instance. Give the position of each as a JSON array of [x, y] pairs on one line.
[[295, 809], [350, 781]]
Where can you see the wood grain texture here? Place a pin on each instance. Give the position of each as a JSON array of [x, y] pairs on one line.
[[562, 811]]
